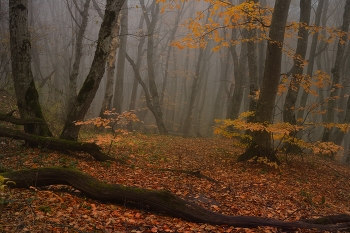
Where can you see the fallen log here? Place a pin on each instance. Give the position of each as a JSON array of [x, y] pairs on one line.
[[8, 117], [158, 200], [57, 144]]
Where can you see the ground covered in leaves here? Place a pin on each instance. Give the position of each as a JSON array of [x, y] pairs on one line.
[[201, 170]]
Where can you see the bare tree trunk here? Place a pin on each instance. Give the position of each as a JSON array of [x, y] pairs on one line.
[[336, 70], [339, 135], [261, 143], [179, 13], [310, 66], [73, 77], [252, 52], [240, 68], [106, 103], [119, 79], [298, 66], [132, 104], [92, 82], [26, 92], [194, 91], [151, 24]]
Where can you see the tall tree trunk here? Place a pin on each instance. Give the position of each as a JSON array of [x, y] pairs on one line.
[[194, 91], [93, 79], [240, 68], [261, 49], [298, 66], [179, 13], [261, 143], [252, 52], [339, 135], [151, 24], [336, 70], [310, 66], [20, 46], [107, 100], [221, 94], [119, 79], [73, 77], [132, 104]]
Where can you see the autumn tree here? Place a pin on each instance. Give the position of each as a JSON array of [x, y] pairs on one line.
[[261, 145]]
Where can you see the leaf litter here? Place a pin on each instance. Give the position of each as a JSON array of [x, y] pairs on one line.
[[307, 187]]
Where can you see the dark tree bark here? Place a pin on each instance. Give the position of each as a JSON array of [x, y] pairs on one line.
[[239, 67], [107, 100], [252, 54], [298, 66], [151, 25], [194, 91], [92, 82], [56, 144], [132, 104], [336, 70], [20, 46], [78, 53], [312, 57], [179, 13], [261, 143], [157, 200], [119, 78]]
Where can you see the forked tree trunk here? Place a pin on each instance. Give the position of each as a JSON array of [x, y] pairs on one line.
[[26, 92], [78, 53], [151, 24], [261, 142], [88, 90]]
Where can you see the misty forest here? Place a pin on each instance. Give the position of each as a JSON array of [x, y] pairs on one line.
[[174, 115]]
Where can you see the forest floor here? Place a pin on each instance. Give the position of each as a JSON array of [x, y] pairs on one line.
[[305, 186]]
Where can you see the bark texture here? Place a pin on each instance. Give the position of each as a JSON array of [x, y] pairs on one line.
[[336, 71], [159, 200], [119, 78], [298, 66], [107, 100], [261, 143], [20, 46], [56, 144], [73, 77], [151, 25], [92, 81]]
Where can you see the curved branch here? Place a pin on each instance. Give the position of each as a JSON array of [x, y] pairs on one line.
[[160, 200]]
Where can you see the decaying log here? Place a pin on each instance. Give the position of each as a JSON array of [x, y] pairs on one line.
[[158, 200], [57, 144], [8, 117]]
